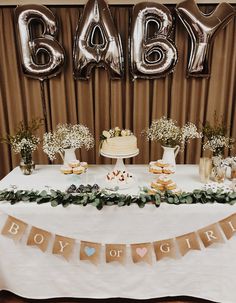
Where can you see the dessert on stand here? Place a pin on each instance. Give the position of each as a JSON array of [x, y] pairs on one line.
[[119, 144], [120, 178]]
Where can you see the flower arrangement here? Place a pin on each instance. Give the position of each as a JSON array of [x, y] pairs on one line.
[[67, 136], [231, 161], [218, 161], [233, 170], [115, 132], [169, 134], [217, 144], [24, 142], [216, 138]]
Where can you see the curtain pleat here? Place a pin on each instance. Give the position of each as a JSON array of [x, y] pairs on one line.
[[102, 103]]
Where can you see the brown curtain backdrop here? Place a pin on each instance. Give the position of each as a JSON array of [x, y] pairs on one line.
[[101, 103]]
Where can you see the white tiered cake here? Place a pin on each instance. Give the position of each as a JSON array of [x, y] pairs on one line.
[[120, 145], [118, 142]]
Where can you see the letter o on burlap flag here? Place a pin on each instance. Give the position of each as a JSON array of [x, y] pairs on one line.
[[39, 237]]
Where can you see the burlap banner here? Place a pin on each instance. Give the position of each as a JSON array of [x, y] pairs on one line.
[[210, 235], [39, 237], [116, 252], [165, 248], [14, 228], [188, 242], [90, 251], [140, 252], [63, 246], [229, 226]]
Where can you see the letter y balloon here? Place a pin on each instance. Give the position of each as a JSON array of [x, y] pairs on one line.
[[202, 30]]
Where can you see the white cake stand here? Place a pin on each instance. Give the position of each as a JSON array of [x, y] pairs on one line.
[[119, 159]]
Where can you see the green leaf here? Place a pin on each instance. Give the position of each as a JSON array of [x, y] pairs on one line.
[[96, 202], [43, 193], [53, 193], [54, 203], [232, 195], [189, 200], [121, 203], [25, 198], [170, 200], [110, 203], [66, 204]]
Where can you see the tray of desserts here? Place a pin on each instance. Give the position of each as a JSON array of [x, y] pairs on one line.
[[164, 183], [119, 179], [74, 167], [161, 167]]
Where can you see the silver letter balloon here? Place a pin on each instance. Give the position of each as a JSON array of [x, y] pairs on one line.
[[155, 56], [89, 52], [33, 46], [202, 30]]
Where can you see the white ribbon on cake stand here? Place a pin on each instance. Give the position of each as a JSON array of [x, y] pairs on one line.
[[120, 159]]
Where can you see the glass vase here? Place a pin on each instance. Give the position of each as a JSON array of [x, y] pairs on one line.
[[233, 172], [219, 174], [205, 169], [27, 168]]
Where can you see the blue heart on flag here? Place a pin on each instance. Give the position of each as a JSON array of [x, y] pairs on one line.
[[89, 251]]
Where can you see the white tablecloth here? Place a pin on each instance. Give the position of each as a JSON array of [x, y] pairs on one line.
[[209, 273]]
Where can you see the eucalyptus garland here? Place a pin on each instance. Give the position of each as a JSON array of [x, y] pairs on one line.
[[100, 198]]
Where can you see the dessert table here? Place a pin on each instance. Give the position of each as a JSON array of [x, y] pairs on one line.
[[26, 271]]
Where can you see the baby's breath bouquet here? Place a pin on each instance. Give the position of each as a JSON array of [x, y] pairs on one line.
[[216, 137], [66, 136], [24, 142], [170, 134]]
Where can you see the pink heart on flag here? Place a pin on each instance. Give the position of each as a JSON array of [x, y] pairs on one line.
[[141, 251]]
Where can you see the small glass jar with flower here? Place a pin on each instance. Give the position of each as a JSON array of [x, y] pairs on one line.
[[233, 168], [217, 141], [231, 161], [25, 142]]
